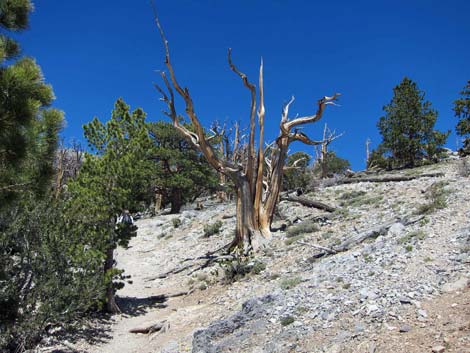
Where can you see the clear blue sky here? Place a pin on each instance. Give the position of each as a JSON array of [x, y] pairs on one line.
[[93, 52]]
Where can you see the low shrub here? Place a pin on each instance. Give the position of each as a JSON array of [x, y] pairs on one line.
[[436, 196], [418, 234], [287, 320], [236, 269], [358, 198], [290, 283], [302, 228], [176, 222], [292, 240], [211, 229], [349, 195]]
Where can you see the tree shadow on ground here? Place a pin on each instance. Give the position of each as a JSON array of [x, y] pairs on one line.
[[133, 306], [94, 331], [97, 330]]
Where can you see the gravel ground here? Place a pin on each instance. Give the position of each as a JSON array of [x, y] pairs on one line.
[[405, 290]]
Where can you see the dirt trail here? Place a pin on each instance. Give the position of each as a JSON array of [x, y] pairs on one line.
[[157, 249], [350, 302]]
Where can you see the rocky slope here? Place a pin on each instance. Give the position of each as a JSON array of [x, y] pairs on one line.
[[404, 290]]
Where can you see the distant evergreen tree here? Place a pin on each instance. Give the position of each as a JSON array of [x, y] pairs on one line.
[[462, 112], [378, 159], [334, 165], [181, 173], [28, 129], [297, 176], [407, 127]]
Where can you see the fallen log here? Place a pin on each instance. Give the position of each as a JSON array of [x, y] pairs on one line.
[[316, 246], [361, 236], [166, 274], [152, 328], [210, 258], [309, 203], [311, 218], [386, 179]]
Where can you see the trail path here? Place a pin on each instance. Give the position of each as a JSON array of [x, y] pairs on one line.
[[156, 249], [386, 294]]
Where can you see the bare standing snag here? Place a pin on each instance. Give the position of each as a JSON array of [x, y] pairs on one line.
[[258, 177]]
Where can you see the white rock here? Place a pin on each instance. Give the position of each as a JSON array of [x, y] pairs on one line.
[[396, 230], [460, 284], [371, 308], [438, 349], [422, 313]]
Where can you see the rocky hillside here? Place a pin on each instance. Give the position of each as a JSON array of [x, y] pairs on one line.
[[404, 288]]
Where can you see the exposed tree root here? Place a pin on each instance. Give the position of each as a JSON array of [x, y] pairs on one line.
[[210, 258]]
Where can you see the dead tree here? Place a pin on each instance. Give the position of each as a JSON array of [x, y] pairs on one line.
[[367, 152], [67, 165], [257, 178], [222, 143], [322, 150]]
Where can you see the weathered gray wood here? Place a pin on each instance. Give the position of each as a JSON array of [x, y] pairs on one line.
[[309, 203], [361, 236], [386, 179], [149, 329], [328, 250]]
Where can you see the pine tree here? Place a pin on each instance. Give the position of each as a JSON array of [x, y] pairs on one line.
[[407, 127], [181, 173], [28, 128], [334, 165], [115, 178], [50, 271], [295, 173], [39, 256], [462, 112]]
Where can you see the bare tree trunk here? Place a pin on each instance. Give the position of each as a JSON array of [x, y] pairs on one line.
[[222, 194], [247, 235], [60, 174], [158, 202], [324, 156], [367, 152], [111, 305], [257, 178], [176, 201]]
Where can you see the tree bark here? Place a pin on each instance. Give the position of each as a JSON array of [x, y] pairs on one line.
[[247, 235], [370, 233], [324, 156], [176, 200], [150, 329], [158, 202], [257, 178], [111, 306]]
